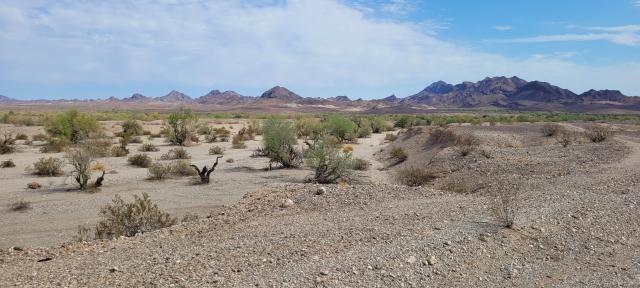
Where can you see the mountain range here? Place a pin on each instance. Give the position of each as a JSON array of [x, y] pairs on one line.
[[510, 93]]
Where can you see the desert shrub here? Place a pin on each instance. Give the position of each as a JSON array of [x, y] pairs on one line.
[[148, 147], [119, 151], [98, 147], [551, 129], [328, 162], [279, 141], [505, 203], [39, 137], [34, 185], [255, 127], [176, 153], [80, 159], [54, 145], [565, 138], [72, 126], [598, 133], [20, 205], [390, 137], [128, 219], [414, 176], [360, 164], [182, 168], [189, 217], [204, 129], [7, 164], [159, 171], [146, 132], [136, 140], [397, 155], [230, 160], [364, 132], [48, 167], [466, 143], [7, 142], [180, 126], [442, 136], [308, 127], [140, 160], [22, 136], [132, 127], [404, 121], [237, 142], [379, 125], [216, 150], [341, 127]]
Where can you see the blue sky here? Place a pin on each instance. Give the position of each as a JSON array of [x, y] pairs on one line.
[[368, 49]]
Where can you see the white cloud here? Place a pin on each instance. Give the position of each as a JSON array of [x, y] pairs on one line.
[[314, 47], [636, 3], [503, 27], [623, 35]]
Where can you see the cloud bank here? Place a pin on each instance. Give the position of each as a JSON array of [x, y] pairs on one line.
[[317, 48]]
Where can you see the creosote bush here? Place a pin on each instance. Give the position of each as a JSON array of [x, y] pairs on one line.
[[80, 159], [279, 143], [397, 155], [414, 176], [159, 171], [128, 219], [7, 164], [182, 168], [176, 153], [565, 138], [7, 142], [148, 147], [551, 129], [329, 163], [48, 167], [140, 160], [132, 127], [598, 133], [72, 126], [216, 150], [180, 126]]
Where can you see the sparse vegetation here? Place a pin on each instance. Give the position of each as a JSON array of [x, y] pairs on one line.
[[413, 176], [237, 142], [443, 137], [180, 126], [132, 127], [48, 167], [466, 143], [20, 205], [140, 160], [397, 155], [551, 129], [119, 151], [505, 203], [128, 219], [176, 153], [216, 150], [7, 164], [54, 145], [390, 137], [71, 126], [34, 185], [360, 164], [329, 163], [598, 133], [565, 138], [80, 159], [159, 171], [148, 147], [7, 142]]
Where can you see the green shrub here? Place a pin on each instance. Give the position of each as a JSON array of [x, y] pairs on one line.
[[414, 177], [341, 127], [329, 163], [72, 126], [128, 219], [364, 132], [404, 121], [279, 141], [216, 150], [148, 147], [378, 125], [180, 126], [48, 167], [140, 160], [397, 155], [176, 153], [132, 127]]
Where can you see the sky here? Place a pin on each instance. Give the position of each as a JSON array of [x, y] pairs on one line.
[[317, 48]]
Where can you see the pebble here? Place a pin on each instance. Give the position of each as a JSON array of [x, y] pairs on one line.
[[286, 203], [321, 191], [432, 260], [411, 260]]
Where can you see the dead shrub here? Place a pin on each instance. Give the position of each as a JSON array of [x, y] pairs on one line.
[[565, 138], [80, 159], [216, 150], [360, 164], [119, 151], [466, 143], [397, 155], [20, 205], [128, 219], [148, 147], [140, 160], [7, 164], [48, 167], [7, 142], [176, 153], [34, 185], [598, 133], [504, 203], [442, 136], [414, 176], [551, 129]]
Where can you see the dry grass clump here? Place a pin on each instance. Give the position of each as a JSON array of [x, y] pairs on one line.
[[565, 138], [237, 142], [217, 135], [414, 176], [7, 143], [98, 147], [128, 219], [20, 205], [119, 151], [148, 147], [176, 153], [466, 143], [360, 164], [159, 171], [7, 164], [397, 155], [598, 133], [505, 203], [216, 150], [551, 129], [140, 160], [34, 185], [442, 136], [48, 167], [390, 137], [182, 168]]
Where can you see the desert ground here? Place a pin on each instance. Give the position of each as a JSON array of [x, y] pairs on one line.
[[576, 212]]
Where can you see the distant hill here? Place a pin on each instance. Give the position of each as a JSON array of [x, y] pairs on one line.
[[174, 96], [6, 99], [281, 93]]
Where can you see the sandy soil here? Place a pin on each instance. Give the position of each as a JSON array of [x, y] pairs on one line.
[[58, 209]]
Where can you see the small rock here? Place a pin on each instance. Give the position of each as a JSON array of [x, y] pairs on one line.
[[113, 269], [432, 260], [324, 272], [17, 248], [321, 191], [411, 260], [286, 203]]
